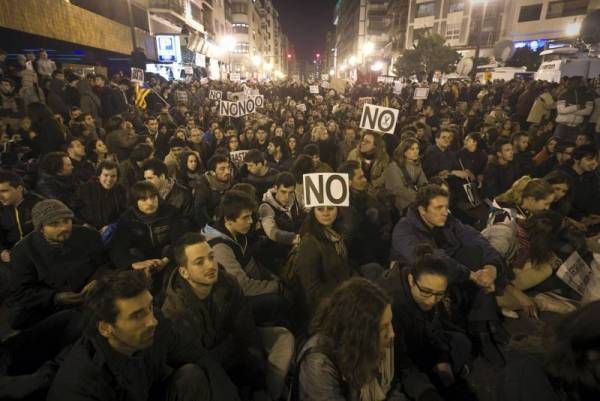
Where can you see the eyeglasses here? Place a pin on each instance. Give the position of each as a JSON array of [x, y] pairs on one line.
[[427, 293]]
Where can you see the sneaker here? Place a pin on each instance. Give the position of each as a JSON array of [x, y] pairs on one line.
[[550, 302], [509, 314]]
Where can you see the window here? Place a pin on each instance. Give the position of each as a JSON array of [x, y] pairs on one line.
[[239, 8], [567, 8], [425, 9], [456, 6], [453, 31], [240, 28], [242, 48], [530, 13]]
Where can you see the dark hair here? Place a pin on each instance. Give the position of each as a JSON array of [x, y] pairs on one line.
[[473, 136], [107, 165], [348, 327], [14, 180], [561, 146], [542, 229], [142, 190], [246, 188], [500, 142], [427, 192], [183, 159], [182, 243], [302, 165], [158, 167], [254, 156], [52, 163], [567, 359], [114, 123], [427, 263], [215, 160], [312, 150], [141, 152], [585, 151], [349, 167], [234, 203], [284, 179], [518, 135], [558, 177], [124, 284], [311, 226]]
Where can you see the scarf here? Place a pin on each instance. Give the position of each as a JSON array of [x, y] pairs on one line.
[[378, 388], [166, 190], [337, 240]]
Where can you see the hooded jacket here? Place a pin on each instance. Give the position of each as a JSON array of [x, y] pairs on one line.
[[233, 256]]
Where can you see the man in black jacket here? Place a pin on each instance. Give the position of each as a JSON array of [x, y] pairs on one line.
[[173, 193], [56, 178], [131, 353], [54, 266], [211, 188], [502, 172]]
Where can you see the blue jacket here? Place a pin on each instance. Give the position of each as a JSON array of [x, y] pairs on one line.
[[412, 231]]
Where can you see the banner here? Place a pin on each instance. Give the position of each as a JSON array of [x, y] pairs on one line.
[[215, 95], [237, 157], [242, 107], [378, 118], [326, 189], [421, 93]]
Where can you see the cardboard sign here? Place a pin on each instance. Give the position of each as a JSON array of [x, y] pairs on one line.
[[235, 76], [575, 273], [324, 77], [215, 95], [378, 118], [363, 100], [301, 107], [398, 86], [314, 89], [326, 189], [325, 84], [421, 93], [137, 75], [237, 157], [242, 107]]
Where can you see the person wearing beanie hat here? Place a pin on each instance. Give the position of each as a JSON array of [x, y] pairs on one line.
[[53, 266], [169, 190]]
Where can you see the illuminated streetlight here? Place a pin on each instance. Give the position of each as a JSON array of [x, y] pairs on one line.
[[368, 48], [228, 43], [331, 72], [256, 60], [352, 60], [377, 66]]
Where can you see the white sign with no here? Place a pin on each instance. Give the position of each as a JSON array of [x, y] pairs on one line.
[[326, 189], [378, 118]]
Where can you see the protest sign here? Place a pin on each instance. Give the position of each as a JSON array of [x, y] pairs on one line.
[[326, 189], [137, 75], [421, 93], [215, 95], [378, 118], [314, 89], [235, 76], [398, 86], [575, 273], [240, 108], [237, 157], [363, 100], [324, 77]]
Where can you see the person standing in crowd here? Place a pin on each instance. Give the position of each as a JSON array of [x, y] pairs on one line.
[[131, 170], [561, 156], [573, 106], [45, 66], [51, 135], [103, 201], [120, 139], [349, 354]]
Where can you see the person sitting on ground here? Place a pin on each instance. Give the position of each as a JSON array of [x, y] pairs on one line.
[[279, 157], [260, 175], [170, 191], [281, 217], [526, 196], [207, 305], [130, 170], [429, 339], [83, 170], [131, 351], [501, 172], [349, 354], [586, 187], [102, 202], [176, 147], [404, 175], [210, 190], [319, 166], [475, 266], [526, 245], [54, 266], [229, 241], [373, 158], [561, 156], [522, 155], [190, 170], [56, 179]]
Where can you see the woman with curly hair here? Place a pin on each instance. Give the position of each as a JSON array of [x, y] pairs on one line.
[[349, 355]]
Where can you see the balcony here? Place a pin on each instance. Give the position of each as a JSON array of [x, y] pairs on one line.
[[176, 6], [174, 12]]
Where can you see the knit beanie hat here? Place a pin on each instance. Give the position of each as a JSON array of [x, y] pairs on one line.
[[49, 211]]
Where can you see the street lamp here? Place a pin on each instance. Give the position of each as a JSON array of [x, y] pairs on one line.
[[478, 34], [368, 48], [377, 66]]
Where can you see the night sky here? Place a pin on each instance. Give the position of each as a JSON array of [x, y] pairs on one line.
[[306, 23]]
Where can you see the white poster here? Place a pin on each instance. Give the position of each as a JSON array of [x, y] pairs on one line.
[[237, 157], [215, 95], [137, 75], [378, 118], [314, 89], [575, 273], [421, 93], [326, 189], [235, 76]]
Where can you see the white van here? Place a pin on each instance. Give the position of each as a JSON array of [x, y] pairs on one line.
[[567, 62]]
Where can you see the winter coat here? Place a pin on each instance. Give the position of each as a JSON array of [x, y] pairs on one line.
[[396, 183], [121, 143], [207, 198], [233, 255], [497, 178], [93, 370], [181, 199], [378, 166], [585, 192], [100, 207], [541, 109], [262, 183], [129, 173], [57, 187], [411, 231], [56, 100], [15, 222], [41, 269], [140, 237], [89, 102], [51, 135], [221, 324], [573, 106]]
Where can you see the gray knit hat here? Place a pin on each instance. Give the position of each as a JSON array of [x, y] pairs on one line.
[[49, 211]]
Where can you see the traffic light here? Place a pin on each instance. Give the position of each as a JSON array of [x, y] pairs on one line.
[[289, 56], [318, 55]]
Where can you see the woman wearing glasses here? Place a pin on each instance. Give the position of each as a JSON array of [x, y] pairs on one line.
[[433, 345]]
